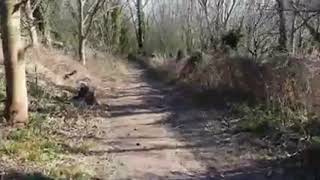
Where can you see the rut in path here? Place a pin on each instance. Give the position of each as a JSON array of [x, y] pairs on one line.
[[154, 134]]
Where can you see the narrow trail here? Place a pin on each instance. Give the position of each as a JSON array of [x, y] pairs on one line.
[[152, 134], [140, 140]]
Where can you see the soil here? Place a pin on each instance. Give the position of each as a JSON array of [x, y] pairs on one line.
[[154, 132]]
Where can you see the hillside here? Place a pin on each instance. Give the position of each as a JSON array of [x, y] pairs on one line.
[[160, 89], [142, 129]]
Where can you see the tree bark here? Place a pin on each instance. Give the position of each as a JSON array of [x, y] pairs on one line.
[[292, 34], [116, 25], [282, 27], [82, 41], [140, 24], [82, 50], [16, 107], [31, 24], [45, 24], [47, 37], [85, 23]]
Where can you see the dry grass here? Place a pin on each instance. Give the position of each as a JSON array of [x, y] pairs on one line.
[[289, 79], [53, 65], [53, 143], [107, 66], [285, 86]]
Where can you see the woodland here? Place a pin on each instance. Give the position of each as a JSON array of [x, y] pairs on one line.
[[160, 89]]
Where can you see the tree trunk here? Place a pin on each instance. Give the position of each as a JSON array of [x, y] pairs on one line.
[[44, 26], [31, 24], [47, 37], [82, 50], [189, 39], [282, 27], [16, 107], [140, 25], [82, 40], [204, 6], [299, 38], [116, 27], [293, 39]]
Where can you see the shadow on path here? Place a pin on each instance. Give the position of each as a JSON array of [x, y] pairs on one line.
[[203, 131], [22, 176]]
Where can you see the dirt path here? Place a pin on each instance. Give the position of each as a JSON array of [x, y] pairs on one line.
[[139, 140], [153, 134]]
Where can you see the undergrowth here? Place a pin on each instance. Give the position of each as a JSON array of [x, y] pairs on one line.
[[156, 69], [261, 117], [37, 145], [264, 119], [31, 144], [256, 119]]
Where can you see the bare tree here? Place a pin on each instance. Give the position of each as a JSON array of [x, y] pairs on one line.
[[294, 19], [228, 13], [140, 19], [85, 23], [313, 31], [306, 16], [204, 5], [31, 23], [282, 26], [16, 109]]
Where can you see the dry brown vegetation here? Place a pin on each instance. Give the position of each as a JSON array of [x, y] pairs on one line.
[[55, 142], [287, 86]]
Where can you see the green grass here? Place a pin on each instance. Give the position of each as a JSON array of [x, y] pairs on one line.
[[258, 119], [31, 144], [262, 119], [38, 146], [35, 145], [70, 172]]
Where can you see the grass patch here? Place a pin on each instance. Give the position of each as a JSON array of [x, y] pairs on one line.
[[77, 172], [37, 146], [31, 144], [42, 146], [262, 119], [257, 119], [80, 148]]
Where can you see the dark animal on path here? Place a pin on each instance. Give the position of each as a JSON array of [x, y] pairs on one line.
[[90, 99], [86, 96]]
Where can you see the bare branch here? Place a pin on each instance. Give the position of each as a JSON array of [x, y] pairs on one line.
[[229, 13], [97, 6], [36, 5]]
